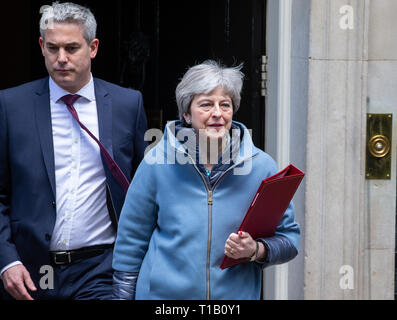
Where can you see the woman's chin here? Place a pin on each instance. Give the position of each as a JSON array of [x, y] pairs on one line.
[[216, 134]]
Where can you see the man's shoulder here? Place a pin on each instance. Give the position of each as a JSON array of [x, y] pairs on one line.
[[36, 85], [114, 88], [21, 95]]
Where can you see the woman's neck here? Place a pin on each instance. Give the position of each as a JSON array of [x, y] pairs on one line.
[[210, 150]]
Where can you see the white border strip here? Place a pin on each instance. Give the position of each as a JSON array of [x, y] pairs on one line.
[[283, 119]]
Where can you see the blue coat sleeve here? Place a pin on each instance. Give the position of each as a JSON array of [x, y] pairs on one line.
[[283, 246], [137, 221]]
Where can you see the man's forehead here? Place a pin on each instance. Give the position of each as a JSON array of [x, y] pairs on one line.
[[61, 43], [64, 32]]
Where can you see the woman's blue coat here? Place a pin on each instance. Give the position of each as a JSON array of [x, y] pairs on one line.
[[173, 227]]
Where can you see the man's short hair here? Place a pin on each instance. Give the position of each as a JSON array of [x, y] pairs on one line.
[[69, 13]]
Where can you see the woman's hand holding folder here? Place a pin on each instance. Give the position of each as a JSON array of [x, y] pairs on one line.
[[267, 208], [241, 246]]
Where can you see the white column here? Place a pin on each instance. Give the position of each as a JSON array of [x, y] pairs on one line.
[[283, 120]]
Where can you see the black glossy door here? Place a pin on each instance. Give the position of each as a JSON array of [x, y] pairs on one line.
[[149, 44]]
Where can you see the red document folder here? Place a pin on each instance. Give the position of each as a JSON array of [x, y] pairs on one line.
[[268, 207]]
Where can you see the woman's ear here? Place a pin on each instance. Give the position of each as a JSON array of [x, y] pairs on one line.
[[188, 118]]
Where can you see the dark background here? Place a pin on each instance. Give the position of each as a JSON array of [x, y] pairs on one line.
[[148, 45]]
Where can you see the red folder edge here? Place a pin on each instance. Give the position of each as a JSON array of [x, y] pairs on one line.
[[289, 175]]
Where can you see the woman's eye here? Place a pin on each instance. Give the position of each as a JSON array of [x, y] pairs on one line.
[[205, 106], [226, 106]]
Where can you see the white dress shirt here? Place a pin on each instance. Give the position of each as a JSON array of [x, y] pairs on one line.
[[82, 215]]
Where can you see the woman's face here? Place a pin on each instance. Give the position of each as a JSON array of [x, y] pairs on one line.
[[211, 113]]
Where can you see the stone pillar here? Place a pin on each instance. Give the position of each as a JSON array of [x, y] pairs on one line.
[[336, 235]]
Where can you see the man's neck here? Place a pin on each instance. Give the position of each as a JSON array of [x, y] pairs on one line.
[[73, 89]]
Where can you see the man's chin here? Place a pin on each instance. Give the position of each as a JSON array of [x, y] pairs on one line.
[[65, 82]]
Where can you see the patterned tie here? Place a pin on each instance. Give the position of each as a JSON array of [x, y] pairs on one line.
[[118, 175]]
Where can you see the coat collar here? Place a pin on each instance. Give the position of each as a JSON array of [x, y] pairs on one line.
[[246, 151]]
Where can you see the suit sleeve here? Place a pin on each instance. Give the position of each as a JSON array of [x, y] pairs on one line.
[[140, 130], [8, 252]]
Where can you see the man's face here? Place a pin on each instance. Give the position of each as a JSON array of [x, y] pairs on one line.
[[68, 56]]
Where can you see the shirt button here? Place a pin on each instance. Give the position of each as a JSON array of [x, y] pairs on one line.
[[54, 205]]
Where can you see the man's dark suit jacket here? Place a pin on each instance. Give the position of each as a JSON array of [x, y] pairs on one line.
[[27, 170]]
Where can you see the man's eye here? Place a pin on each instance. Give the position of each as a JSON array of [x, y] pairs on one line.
[[71, 49]]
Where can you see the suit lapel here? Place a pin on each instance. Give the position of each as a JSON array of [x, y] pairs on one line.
[[104, 107], [44, 126]]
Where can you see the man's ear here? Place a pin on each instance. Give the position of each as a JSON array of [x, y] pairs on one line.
[[42, 44], [94, 45]]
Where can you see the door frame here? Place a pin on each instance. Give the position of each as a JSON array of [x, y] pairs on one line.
[[277, 118]]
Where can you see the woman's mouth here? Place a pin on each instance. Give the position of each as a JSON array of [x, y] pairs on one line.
[[216, 126]]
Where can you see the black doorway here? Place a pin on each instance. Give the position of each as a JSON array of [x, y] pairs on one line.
[[149, 44]]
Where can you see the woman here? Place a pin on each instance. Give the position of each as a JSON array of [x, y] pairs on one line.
[[189, 196]]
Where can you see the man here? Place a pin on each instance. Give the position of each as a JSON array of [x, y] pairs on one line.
[[59, 201]]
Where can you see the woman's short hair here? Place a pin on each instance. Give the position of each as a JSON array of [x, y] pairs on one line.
[[68, 12], [203, 79]]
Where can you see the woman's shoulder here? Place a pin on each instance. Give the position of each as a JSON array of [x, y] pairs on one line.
[[265, 162]]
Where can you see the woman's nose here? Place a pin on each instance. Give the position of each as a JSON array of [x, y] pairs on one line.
[[216, 110]]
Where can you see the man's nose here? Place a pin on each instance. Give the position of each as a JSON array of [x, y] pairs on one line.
[[62, 56]]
